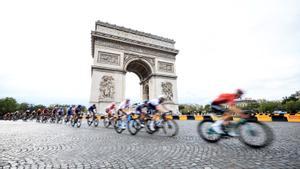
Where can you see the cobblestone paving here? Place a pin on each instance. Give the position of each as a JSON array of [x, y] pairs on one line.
[[36, 145]]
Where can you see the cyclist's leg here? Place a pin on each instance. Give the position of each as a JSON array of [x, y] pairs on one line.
[[217, 126]]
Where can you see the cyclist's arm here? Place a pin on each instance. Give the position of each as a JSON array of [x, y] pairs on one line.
[[161, 109]]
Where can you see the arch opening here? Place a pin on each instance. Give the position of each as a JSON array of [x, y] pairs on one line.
[[143, 71], [140, 68]]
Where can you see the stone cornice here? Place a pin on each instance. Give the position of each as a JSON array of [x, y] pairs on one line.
[[108, 69], [136, 32], [159, 75], [130, 41]]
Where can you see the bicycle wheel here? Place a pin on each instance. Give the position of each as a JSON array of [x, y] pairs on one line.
[[96, 122], [206, 132], [147, 127], [78, 123], [255, 134], [134, 127], [170, 128], [117, 126], [106, 122], [89, 122]]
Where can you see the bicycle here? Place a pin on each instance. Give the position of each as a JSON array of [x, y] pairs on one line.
[[164, 122], [108, 121], [92, 120], [76, 120], [245, 129], [134, 124]]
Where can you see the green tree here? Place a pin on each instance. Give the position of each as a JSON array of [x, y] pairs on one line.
[[23, 106], [8, 104], [39, 106], [269, 106], [292, 106]]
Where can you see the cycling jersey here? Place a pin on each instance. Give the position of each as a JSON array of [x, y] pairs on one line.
[[70, 112], [139, 108], [124, 105], [92, 109], [152, 105], [225, 98]]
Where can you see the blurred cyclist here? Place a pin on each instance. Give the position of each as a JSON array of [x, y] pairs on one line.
[[155, 106], [111, 109], [92, 110], [140, 110], [123, 110], [229, 99]]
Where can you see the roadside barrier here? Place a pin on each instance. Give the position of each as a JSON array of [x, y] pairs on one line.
[[257, 117], [279, 117], [293, 118], [264, 117]]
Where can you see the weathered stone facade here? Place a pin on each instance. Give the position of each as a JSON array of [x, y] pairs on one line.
[[117, 50]]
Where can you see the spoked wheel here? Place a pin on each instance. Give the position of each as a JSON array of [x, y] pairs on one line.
[[96, 122], [106, 122], [147, 127], [118, 126], [134, 126], [89, 122], [206, 132], [73, 122], [78, 123], [255, 134], [170, 128]]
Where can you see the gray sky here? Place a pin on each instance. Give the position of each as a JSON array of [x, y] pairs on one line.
[[254, 45]]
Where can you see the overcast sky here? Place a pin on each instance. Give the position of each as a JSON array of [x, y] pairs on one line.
[[45, 46]]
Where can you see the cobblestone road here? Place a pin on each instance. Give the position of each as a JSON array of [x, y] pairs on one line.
[[36, 145]]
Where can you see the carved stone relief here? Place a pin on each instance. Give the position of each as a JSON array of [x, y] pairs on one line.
[[107, 87], [108, 58], [129, 56], [126, 47], [167, 90], [165, 67]]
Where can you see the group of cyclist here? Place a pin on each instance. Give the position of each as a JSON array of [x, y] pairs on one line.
[[147, 107], [152, 107]]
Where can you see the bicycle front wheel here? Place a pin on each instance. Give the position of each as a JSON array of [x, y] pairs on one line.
[[255, 134], [170, 128]]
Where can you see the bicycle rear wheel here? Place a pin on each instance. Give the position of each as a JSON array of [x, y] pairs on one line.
[[206, 132]]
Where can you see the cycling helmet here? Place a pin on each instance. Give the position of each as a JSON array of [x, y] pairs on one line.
[[239, 91]]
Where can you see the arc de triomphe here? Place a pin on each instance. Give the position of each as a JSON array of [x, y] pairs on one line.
[[117, 50]]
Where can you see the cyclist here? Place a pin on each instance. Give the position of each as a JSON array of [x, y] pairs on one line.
[[122, 110], [226, 98], [69, 111], [155, 106], [92, 110], [78, 110], [140, 110], [110, 109]]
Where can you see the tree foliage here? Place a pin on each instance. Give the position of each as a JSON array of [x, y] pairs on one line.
[[8, 104]]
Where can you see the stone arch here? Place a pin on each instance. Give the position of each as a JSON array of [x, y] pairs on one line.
[[140, 67]]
